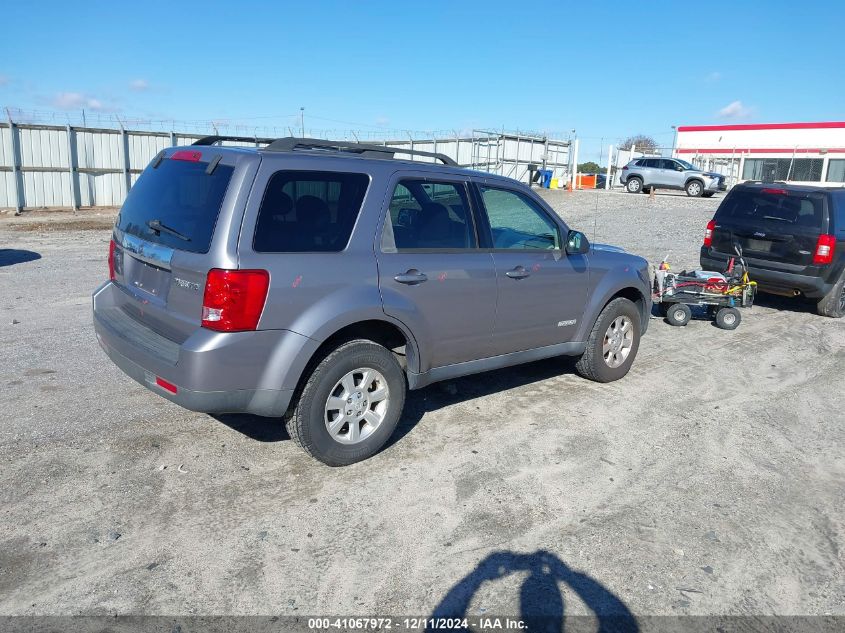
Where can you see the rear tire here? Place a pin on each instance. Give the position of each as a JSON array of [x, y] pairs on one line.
[[728, 318], [678, 314], [609, 337], [634, 184], [309, 423], [694, 188], [833, 303]]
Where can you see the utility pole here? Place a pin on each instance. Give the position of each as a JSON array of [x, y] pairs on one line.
[[674, 141], [302, 121]]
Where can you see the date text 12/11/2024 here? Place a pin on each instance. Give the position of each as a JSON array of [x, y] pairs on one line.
[[416, 624]]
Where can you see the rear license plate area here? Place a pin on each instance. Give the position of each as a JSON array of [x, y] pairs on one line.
[[761, 246], [150, 279]]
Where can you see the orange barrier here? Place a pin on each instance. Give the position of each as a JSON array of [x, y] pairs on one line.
[[586, 181]]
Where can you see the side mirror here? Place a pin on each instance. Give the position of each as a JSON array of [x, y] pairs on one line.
[[577, 243]]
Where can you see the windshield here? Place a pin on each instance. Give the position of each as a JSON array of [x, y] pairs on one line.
[[686, 165], [176, 204]]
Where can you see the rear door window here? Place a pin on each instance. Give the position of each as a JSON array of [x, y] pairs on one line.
[[179, 198], [309, 211], [428, 215], [838, 199]]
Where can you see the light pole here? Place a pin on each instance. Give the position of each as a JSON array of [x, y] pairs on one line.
[[674, 140], [302, 121]]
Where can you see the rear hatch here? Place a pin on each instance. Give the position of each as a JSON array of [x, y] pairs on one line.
[[163, 236], [777, 228]]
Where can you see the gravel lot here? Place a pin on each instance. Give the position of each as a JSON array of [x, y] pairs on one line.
[[709, 481]]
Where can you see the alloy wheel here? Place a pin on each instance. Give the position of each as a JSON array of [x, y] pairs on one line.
[[618, 340], [357, 405]]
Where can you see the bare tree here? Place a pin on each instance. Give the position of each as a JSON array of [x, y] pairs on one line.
[[643, 143]]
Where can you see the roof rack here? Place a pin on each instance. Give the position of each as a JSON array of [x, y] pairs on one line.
[[212, 140], [292, 143]]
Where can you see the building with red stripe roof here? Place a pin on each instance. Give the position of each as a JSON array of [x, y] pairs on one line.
[[796, 152]]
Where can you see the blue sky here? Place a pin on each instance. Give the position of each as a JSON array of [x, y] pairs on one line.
[[605, 69]]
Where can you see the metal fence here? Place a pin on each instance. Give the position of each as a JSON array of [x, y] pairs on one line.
[[71, 166]]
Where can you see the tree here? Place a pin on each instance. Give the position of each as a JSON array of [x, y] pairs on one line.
[[590, 167], [642, 142]]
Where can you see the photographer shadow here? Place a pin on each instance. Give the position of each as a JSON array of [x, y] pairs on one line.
[[542, 606]]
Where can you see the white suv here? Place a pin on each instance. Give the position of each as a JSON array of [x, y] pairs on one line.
[[644, 174]]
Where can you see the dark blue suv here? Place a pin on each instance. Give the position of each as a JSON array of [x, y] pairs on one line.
[[792, 236]]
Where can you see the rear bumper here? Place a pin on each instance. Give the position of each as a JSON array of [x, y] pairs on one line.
[[214, 372], [777, 281], [258, 401]]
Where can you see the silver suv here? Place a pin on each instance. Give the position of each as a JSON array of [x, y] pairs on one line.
[[317, 281], [644, 174]]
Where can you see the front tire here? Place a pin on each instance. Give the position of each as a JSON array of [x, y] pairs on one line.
[[694, 188], [833, 303], [634, 185], [613, 342], [350, 404]]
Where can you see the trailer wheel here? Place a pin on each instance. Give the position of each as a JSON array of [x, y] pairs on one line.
[[728, 318], [678, 314]]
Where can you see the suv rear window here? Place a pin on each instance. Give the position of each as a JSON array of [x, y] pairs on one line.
[[774, 205], [309, 211], [182, 197]]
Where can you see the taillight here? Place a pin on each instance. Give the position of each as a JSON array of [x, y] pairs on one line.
[[234, 299], [111, 259], [824, 250], [776, 192], [708, 233], [625, 168]]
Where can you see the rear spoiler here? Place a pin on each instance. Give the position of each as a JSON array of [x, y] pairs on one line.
[[213, 140]]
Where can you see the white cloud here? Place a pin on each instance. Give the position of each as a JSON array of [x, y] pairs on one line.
[[714, 76], [139, 85], [77, 101], [382, 121], [735, 110], [4, 80]]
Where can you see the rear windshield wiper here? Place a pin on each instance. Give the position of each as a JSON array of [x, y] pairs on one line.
[[158, 227]]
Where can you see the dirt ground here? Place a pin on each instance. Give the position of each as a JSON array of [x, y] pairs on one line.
[[710, 480]]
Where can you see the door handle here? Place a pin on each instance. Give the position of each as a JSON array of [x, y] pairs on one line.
[[411, 277], [518, 273]]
